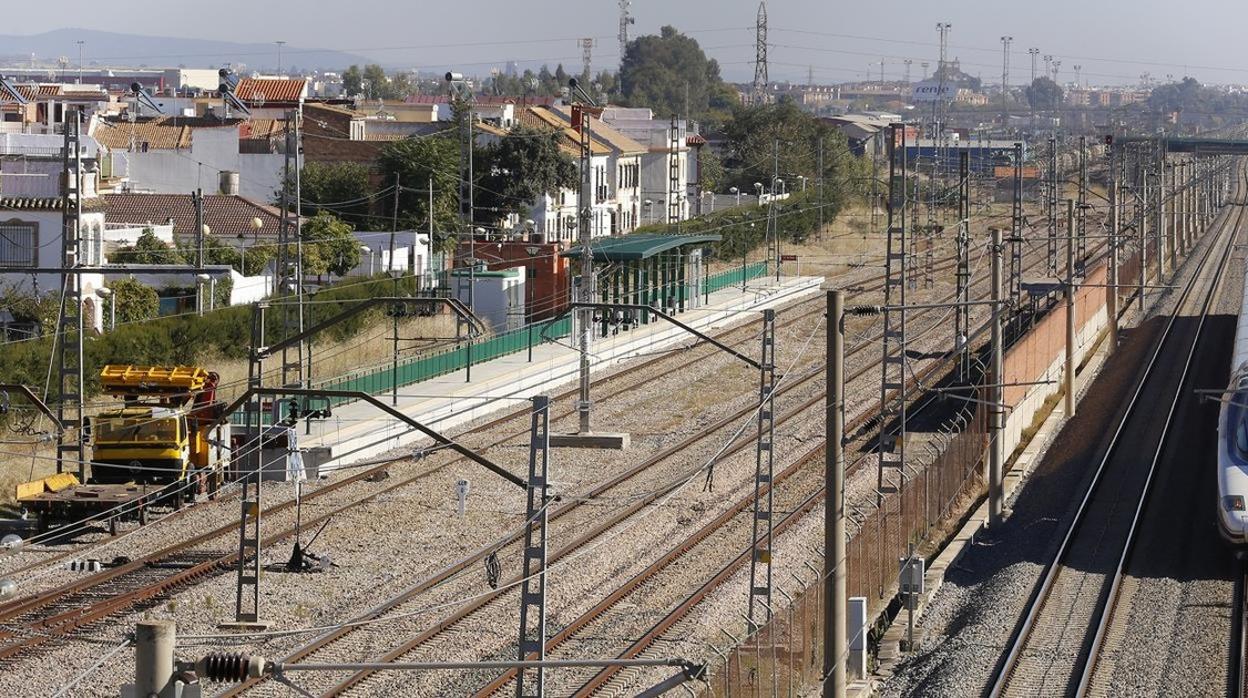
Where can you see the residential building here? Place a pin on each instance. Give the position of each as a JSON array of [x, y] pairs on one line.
[[665, 168], [177, 155]]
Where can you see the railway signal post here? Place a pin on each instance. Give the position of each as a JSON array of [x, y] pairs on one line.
[[996, 454]]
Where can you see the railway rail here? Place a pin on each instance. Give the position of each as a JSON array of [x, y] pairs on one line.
[[1054, 647]]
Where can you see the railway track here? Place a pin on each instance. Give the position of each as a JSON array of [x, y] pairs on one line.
[[1055, 647], [342, 642], [34, 620]]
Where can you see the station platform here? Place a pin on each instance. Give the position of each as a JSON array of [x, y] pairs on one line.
[[358, 431]]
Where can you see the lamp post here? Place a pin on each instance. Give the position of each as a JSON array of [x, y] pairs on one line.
[[734, 190], [255, 224], [368, 251], [649, 210], [758, 187], [112, 306], [201, 280]]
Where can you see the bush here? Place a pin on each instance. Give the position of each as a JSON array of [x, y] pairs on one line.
[[188, 339]]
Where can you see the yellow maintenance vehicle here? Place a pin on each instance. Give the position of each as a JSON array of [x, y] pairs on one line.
[[167, 443]]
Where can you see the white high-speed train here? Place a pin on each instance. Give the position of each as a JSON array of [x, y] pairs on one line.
[[1233, 441]]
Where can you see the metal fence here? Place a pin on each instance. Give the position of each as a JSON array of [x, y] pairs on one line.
[[786, 654], [422, 368]]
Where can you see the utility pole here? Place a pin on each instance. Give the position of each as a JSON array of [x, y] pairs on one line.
[[1005, 79], [247, 582], [773, 233], [70, 445], [1068, 376], [890, 475], [962, 317], [1081, 238], [1141, 215], [820, 182], [1159, 229], [1016, 229], [1115, 204], [197, 199], [761, 539], [835, 587], [394, 314], [1051, 205], [531, 683], [996, 407]]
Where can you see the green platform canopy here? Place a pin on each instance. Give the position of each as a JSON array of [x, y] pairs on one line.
[[641, 246]]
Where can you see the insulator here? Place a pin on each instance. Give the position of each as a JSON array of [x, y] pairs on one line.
[[223, 667]]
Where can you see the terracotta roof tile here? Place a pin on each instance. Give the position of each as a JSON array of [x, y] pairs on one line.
[[270, 90], [157, 134], [226, 216], [543, 120]]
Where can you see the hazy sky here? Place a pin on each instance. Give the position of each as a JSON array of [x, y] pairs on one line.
[[1114, 40]]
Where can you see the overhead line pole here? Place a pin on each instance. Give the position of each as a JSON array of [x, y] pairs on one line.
[[835, 587]]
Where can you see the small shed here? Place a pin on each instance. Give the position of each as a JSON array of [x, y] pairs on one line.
[[663, 271]]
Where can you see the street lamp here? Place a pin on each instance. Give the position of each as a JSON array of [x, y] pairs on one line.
[[201, 279], [255, 224], [802, 179], [368, 251], [112, 306], [758, 187], [783, 188], [734, 190], [649, 210]]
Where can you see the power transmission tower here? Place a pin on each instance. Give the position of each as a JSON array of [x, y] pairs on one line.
[[907, 74], [69, 442], [760, 543], [625, 20], [760, 55]]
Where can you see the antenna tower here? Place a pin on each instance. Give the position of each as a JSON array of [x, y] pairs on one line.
[[587, 57], [760, 55], [625, 20]]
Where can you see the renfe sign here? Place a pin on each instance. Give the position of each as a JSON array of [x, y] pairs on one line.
[[931, 91]]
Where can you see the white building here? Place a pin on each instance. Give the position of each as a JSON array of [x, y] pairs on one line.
[[412, 250], [498, 296], [666, 174]]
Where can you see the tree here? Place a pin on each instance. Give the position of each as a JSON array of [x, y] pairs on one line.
[[148, 249], [26, 307], [710, 170], [135, 301], [216, 252], [417, 161], [1043, 93], [663, 72], [751, 138], [352, 81], [329, 246], [519, 168], [341, 188]]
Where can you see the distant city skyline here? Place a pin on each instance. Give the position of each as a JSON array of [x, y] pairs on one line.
[[1113, 42]]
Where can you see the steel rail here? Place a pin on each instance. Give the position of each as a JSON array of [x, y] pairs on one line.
[[1040, 595]]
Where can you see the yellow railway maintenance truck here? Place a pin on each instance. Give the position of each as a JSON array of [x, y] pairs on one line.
[[166, 444]]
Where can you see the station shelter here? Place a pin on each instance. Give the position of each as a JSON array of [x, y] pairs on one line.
[[666, 272]]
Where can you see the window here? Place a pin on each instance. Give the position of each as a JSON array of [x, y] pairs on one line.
[[19, 244]]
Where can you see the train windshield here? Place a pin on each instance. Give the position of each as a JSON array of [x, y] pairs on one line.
[[1237, 421], [141, 429]]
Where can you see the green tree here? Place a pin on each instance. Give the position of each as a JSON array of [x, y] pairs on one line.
[[148, 249], [752, 136], [418, 161], [711, 169], [329, 246], [352, 81], [1043, 93], [27, 307], [519, 168], [664, 72], [135, 301], [341, 188]]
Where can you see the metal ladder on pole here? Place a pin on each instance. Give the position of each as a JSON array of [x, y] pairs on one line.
[[1015, 289], [530, 683], [760, 542], [893, 380], [962, 313], [70, 446]]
